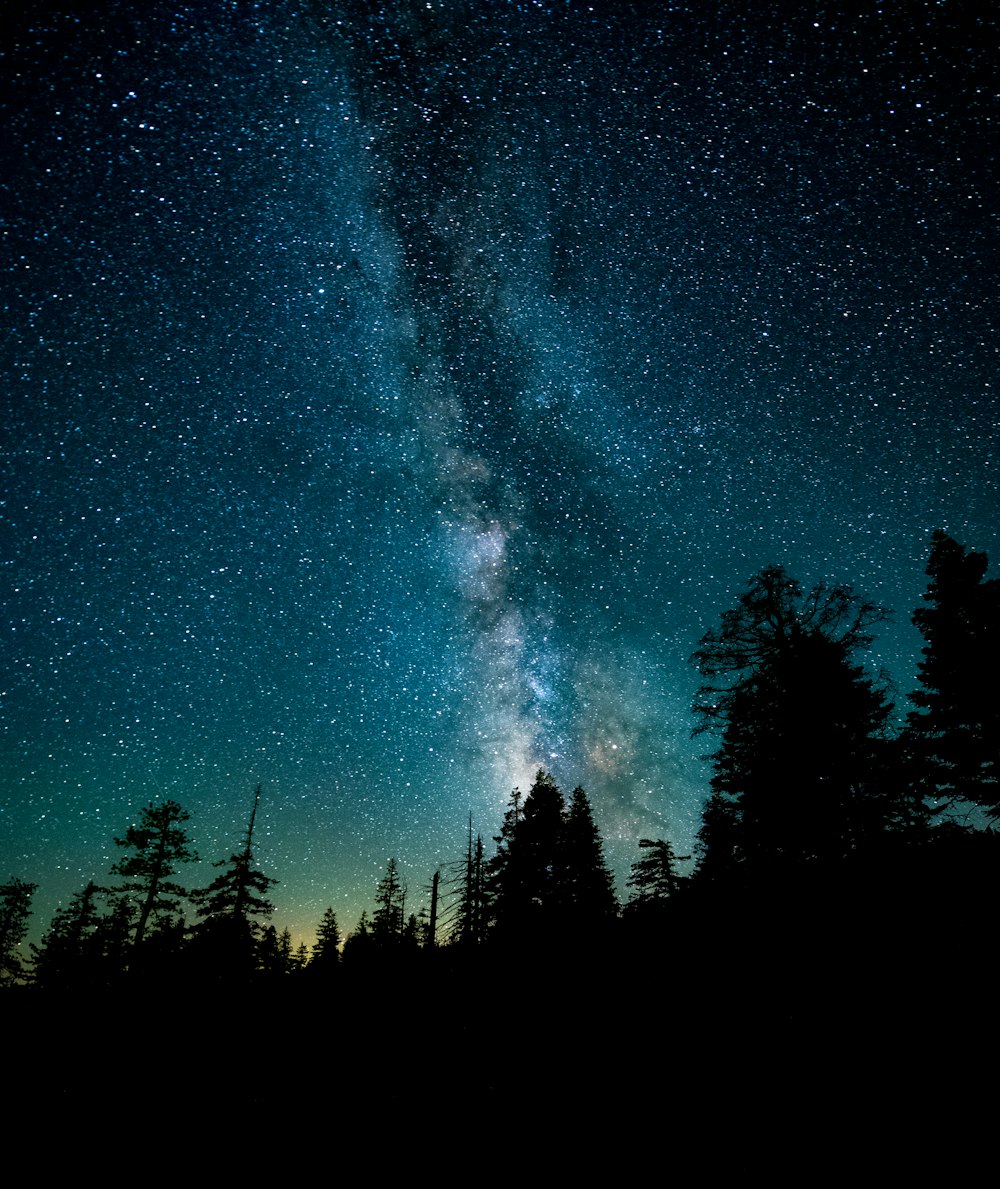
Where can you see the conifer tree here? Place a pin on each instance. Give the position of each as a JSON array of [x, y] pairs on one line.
[[268, 952], [15, 908], [799, 773], [114, 934], [589, 889], [160, 843], [954, 734], [654, 879], [326, 951], [528, 873], [717, 849], [503, 875], [69, 954], [359, 944], [232, 902], [471, 913], [390, 901]]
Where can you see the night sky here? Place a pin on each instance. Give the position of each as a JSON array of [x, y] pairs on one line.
[[395, 393]]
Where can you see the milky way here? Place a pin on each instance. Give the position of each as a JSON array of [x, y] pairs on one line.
[[396, 393]]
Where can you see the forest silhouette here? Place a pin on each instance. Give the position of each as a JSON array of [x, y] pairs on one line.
[[839, 898]]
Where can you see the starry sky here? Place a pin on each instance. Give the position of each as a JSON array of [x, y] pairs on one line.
[[395, 393]]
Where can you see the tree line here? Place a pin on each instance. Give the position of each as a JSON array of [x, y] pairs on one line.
[[812, 787]]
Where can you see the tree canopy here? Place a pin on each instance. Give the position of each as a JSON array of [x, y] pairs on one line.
[[796, 776]]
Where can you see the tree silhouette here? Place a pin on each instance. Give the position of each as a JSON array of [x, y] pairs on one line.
[[326, 952], [232, 902], [799, 773], [70, 954], [471, 913], [429, 925], [359, 945], [527, 873], [275, 958], [390, 901], [654, 879], [160, 844], [588, 892], [15, 908], [955, 731]]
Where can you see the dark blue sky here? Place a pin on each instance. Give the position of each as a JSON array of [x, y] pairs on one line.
[[394, 394]]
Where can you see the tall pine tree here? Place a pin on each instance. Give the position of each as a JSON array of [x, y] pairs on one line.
[[588, 889], [326, 952], [526, 875], [230, 908], [954, 733], [390, 904], [160, 844]]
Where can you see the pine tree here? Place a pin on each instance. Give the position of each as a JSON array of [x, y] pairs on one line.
[[390, 902], [359, 945], [326, 952], [527, 875], [471, 913], [589, 890], [654, 879], [230, 905], [267, 950], [274, 952], [70, 952], [410, 937], [718, 842], [15, 908], [160, 844], [954, 734], [114, 935], [799, 774], [503, 870]]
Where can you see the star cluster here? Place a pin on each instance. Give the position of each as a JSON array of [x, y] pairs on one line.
[[396, 393]]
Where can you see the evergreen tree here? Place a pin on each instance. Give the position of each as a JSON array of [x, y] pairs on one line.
[[359, 945], [528, 873], [326, 951], [268, 952], [954, 734], [470, 918], [718, 841], [160, 844], [15, 908], [285, 953], [589, 890], [799, 775], [274, 952], [390, 901], [238, 892], [502, 871], [70, 952], [114, 934], [410, 937], [230, 905], [654, 880]]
